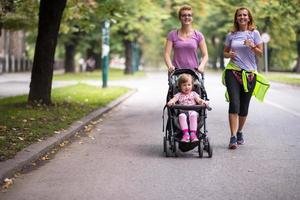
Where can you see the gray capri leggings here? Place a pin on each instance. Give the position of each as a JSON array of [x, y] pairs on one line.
[[239, 100]]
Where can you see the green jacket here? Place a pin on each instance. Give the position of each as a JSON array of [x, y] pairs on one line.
[[261, 86]]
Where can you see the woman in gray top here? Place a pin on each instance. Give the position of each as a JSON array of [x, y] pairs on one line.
[[241, 46]]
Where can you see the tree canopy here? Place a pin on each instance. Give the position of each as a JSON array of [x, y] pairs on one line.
[[147, 22], [144, 24]]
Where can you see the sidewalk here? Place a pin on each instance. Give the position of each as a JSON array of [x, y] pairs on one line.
[[18, 83]]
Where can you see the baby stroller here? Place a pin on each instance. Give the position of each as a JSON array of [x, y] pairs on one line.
[[173, 133]]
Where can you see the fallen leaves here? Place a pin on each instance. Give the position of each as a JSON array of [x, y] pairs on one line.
[[7, 183], [91, 137], [94, 122], [88, 128], [46, 157], [3, 128], [63, 143]]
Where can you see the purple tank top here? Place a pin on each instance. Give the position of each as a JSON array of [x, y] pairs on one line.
[[185, 50]]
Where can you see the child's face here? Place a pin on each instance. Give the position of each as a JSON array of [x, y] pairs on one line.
[[186, 87]]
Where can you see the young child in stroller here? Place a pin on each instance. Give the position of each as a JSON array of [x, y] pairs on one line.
[[186, 96], [186, 123]]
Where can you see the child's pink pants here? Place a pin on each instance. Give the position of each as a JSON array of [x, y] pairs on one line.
[[193, 116]]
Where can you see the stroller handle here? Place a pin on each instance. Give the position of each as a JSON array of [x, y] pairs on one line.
[[187, 70], [192, 107]]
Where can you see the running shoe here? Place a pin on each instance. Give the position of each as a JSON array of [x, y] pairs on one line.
[[232, 143], [240, 138]]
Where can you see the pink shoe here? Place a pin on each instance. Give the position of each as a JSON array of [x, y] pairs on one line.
[[194, 137], [185, 138]]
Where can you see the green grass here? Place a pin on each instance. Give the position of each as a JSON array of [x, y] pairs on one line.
[[113, 74], [22, 124], [287, 78]]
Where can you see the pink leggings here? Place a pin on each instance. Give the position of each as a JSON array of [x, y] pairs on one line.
[[193, 116]]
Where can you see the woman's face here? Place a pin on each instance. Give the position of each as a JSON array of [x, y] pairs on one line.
[[242, 18], [186, 17]]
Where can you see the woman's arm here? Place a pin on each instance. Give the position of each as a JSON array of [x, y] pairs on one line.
[[228, 53], [168, 50], [257, 49], [204, 54]]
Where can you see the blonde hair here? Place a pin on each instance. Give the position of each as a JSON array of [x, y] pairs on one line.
[[183, 78], [251, 24], [185, 7]]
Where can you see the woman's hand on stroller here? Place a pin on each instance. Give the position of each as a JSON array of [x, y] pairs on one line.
[[171, 68], [200, 69]]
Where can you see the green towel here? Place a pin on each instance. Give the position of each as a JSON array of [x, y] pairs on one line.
[[261, 86]]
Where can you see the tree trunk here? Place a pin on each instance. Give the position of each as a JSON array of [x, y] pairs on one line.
[[6, 7], [222, 64], [128, 57], [69, 57], [70, 50], [50, 13], [297, 66], [98, 60], [215, 55], [96, 56]]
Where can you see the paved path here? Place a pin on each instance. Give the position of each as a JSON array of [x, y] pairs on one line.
[[12, 84], [123, 159]]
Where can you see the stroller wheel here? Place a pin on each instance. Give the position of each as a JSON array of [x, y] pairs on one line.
[[165, 144], [174, 147], [209, 148], [166, 147], [200, 149]]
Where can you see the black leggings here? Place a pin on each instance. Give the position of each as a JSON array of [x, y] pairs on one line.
[[239, 100]]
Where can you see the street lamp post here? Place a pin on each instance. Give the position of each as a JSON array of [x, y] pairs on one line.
[[266, 38], [105, 52]]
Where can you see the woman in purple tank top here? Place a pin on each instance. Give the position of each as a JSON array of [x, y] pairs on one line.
[[185, 43]]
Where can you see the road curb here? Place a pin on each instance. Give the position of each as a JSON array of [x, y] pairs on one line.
[[33, 152]]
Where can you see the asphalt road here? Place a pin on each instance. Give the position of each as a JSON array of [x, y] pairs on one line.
[[123, 156]]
